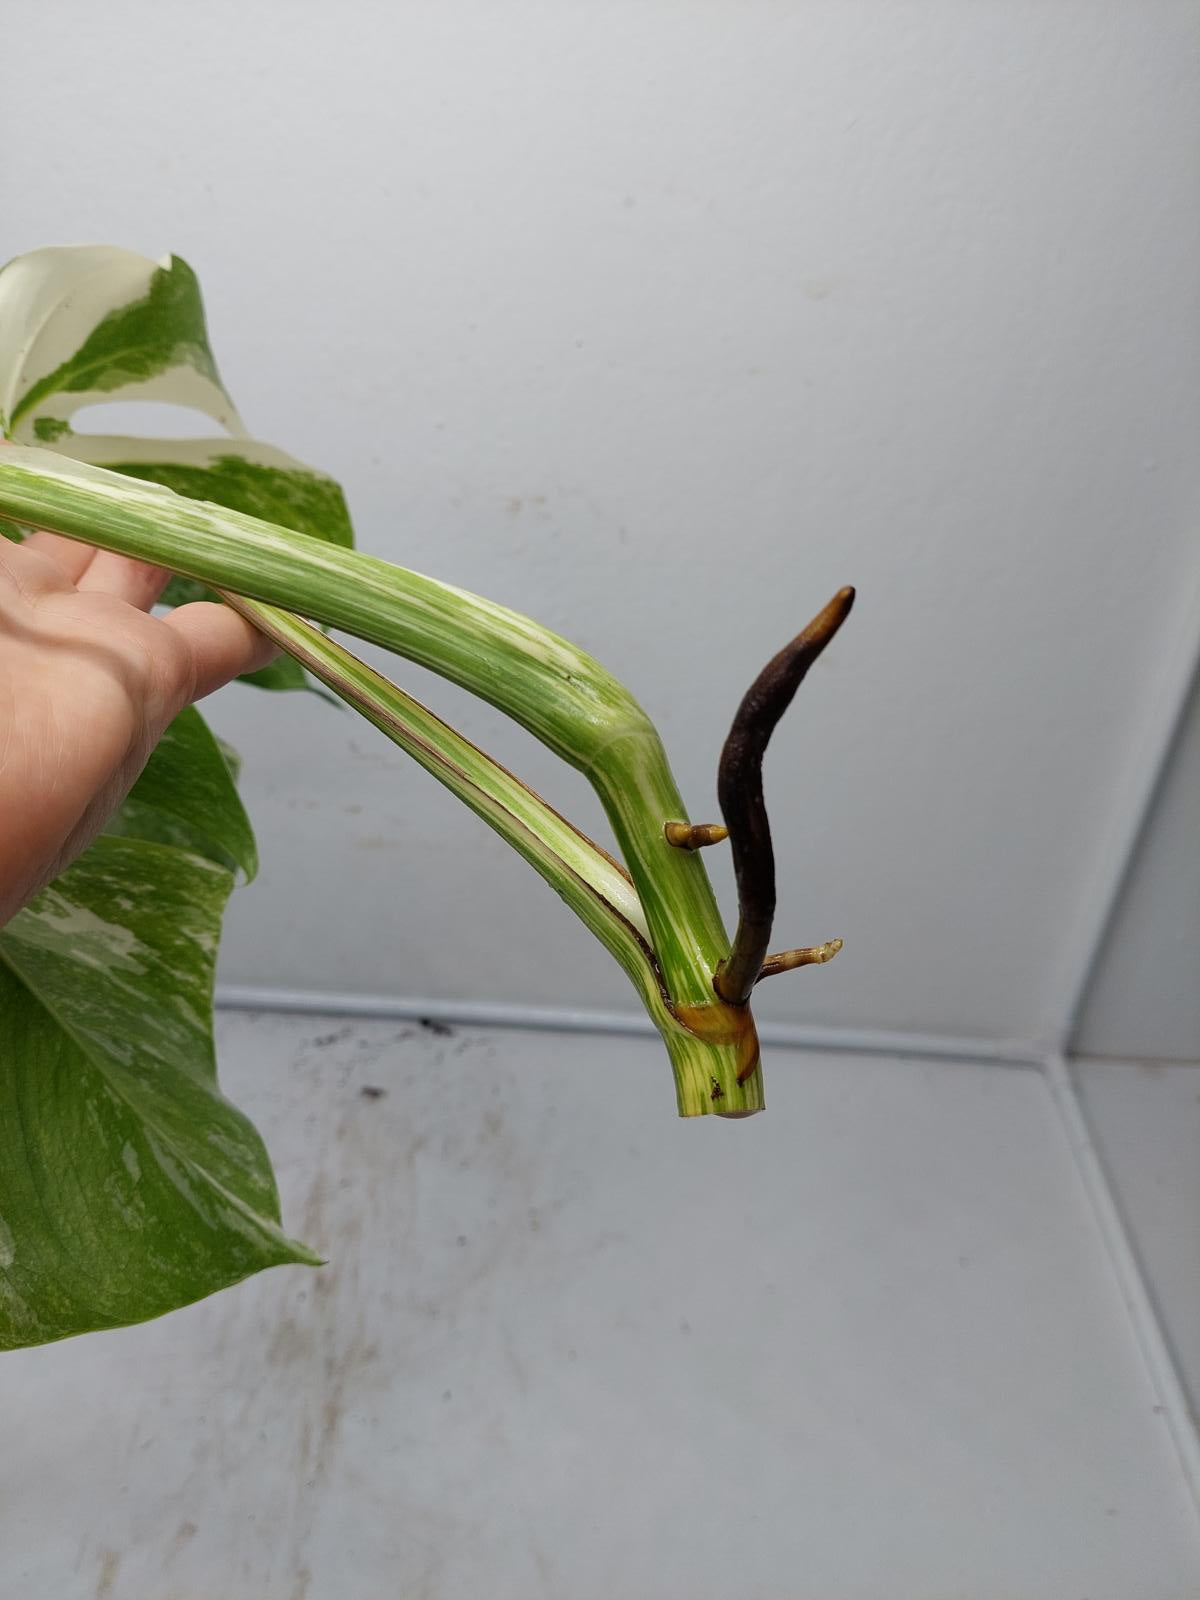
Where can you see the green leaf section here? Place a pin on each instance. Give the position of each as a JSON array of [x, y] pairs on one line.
[[134, 343], [183, 591], [47, 429], [293, 497], [281, 674], [128, 1184], [186, 797]]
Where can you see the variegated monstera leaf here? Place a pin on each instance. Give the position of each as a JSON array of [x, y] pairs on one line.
[[91, 324], [128, 1184]]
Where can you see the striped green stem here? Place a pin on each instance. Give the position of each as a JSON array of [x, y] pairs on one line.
[[595, 887], [557, 691]]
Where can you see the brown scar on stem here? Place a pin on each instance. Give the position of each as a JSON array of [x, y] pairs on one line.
[[718, 1023], [739, 790]]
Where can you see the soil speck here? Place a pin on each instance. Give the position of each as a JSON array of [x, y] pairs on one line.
[[442, 1030]]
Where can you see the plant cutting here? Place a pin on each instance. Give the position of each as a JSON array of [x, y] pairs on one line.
[[106, 975]]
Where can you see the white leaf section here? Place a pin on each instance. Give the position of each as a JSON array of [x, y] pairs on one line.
[[53, 300]]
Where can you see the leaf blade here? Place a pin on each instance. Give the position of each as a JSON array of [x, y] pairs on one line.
[[92, 322], [85, 323], [128, 1184], [186, 796]]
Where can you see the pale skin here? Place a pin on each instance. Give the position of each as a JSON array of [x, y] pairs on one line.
[[89, 681]]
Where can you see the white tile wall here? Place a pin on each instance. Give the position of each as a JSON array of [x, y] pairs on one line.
[[1144, 995], [661, 321], [1145, 1117]]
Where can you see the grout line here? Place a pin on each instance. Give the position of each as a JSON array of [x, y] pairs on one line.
[[1145, 768], [495, 1014], [1123, 1058], [1148, 1328]]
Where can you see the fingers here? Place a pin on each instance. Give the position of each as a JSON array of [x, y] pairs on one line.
[[71, 557], [32, 572], [136, 582], [99, 571], [222, 644]]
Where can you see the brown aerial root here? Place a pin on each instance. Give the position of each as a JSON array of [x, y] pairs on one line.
[[740, 792]]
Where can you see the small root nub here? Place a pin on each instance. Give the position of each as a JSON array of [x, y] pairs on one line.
[[694, 835]]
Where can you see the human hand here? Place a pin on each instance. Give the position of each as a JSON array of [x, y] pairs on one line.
[[88, 683]]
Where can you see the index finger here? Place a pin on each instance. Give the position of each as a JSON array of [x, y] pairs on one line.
[[222, 643]]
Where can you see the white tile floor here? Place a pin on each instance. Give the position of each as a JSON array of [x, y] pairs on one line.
[[864, 1347]]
